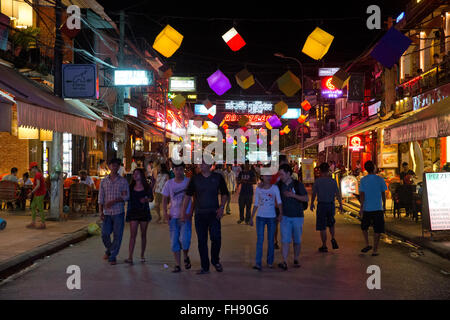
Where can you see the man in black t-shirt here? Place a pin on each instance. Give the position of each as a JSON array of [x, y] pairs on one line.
[[246, 179], [406, 172], [205, 188]]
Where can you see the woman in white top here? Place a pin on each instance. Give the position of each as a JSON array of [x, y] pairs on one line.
[[161, 179], [267, 197]]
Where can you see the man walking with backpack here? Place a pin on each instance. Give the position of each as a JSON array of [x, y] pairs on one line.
[[326, 189]]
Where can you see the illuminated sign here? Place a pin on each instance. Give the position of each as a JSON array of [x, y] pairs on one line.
[[132, 78], [400, 17], [328, 90], [201, 110], [249, 107], [131, 111], [327, 72], [204, 138], [182, 84], [192, 97], [356, 144], [437, 200], [349, 186], [233, 117], [292, 113], [374, 108]]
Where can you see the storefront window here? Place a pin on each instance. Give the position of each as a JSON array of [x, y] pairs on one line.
[[67, 154]]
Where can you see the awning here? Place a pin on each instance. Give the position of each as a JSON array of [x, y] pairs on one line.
[[38, 107], [430, 122]]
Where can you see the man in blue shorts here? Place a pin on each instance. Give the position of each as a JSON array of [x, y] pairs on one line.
[[293, 196], [373, 204], [326, 189]]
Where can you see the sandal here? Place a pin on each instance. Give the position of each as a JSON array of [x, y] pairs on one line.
[[130, 261], [364, 250], [187, 263], [176, 269]]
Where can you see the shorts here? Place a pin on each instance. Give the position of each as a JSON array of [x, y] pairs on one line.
[[180, 234], [325, 216], [291, 229], [374, 218]]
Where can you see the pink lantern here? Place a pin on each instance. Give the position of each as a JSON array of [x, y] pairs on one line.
[[233, 39], [274, 122], [219, 83]]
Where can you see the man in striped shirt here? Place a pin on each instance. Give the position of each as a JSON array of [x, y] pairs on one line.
[[114, 191]]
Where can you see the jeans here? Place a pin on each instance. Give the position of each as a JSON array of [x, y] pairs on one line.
[[260, 225], [245, 202], [180, 234], [113, 224], [205, 222]]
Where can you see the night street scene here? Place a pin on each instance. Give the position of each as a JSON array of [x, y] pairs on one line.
[[224, 159]]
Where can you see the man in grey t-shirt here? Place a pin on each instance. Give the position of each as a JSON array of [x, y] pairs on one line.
[[326, 189]]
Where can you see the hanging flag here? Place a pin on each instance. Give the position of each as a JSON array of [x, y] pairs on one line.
[[233, 39]]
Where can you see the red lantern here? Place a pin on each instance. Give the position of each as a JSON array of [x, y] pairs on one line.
[[306, 105], [210, 116], [301, 119]]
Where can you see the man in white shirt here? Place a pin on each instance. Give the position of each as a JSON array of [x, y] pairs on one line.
[[85, 179]]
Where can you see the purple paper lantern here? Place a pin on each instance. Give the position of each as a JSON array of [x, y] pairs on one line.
[[390, 48], [219, 83], [274, 122]]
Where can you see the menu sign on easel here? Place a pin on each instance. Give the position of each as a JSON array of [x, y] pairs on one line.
[[438, 201]]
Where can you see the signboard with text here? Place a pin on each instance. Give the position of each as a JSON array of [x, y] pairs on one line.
[[437, 201], [79, 81], [328, 90], [182, 84]]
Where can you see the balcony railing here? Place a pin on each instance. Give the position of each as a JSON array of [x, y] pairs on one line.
[[433, 78]]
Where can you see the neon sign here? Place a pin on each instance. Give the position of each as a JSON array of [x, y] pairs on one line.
[[328, 90], [356, 144], [233, 117]]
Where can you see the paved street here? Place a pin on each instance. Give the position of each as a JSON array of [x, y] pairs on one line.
[[335, 275]]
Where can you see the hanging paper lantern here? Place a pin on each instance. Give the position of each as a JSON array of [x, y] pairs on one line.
[[179, 101], [46, 135], [205, 125], [340, 79], [245, 79], [26, 133], [317, 44], [225, 127], [281, 108], [210, 116], [168, 41], [268, 126], [281, 133], [243, 121], [219, 83], [289, 84], [208, 104], [301, 119], [390, 48], [218, 118], [306, 105], [274, 122], [286, 130], [233, 39]]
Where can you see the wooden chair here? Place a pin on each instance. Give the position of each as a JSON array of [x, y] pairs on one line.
[[79, 197], [8, 193]]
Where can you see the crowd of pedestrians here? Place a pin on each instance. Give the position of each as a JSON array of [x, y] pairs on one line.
[[200, 194]]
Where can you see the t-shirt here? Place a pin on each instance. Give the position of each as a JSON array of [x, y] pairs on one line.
[[176, 192], [206, 191], [10, 177], [372, 186], [292, 207], [42, 190], [88, 181], [266, 200], [247, 188], [326, 189]]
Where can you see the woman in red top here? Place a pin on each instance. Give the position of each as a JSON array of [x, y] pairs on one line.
[[38, 194]]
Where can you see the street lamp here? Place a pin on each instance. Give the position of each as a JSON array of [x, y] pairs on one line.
[[280, 55]]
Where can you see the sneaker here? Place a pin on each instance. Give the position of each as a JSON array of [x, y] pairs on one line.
[[256, 267], [283, 266], [270, 266], [364, 250], [296, 264], [201, 271], [334, 244], [323, 249], [187, 263], [240, 221], [218, 267]]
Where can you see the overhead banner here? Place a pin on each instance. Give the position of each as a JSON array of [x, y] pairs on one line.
[[415, 131]]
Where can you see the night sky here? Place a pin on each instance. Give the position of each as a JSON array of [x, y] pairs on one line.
[[267, 27]]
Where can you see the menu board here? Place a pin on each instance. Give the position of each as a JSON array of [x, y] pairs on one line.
[[388, 155], [438, 200]]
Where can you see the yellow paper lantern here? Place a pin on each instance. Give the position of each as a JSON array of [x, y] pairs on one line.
[[340, 79], [26, 133], [205, 125], [289, 84], [168, 41], [245, 79], [281, 108], [317, 44], [286, 130], [46, 135], [301, 119], [268, 126], [179, 101]]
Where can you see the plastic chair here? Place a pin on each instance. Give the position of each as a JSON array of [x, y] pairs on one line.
[[8, 192]]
